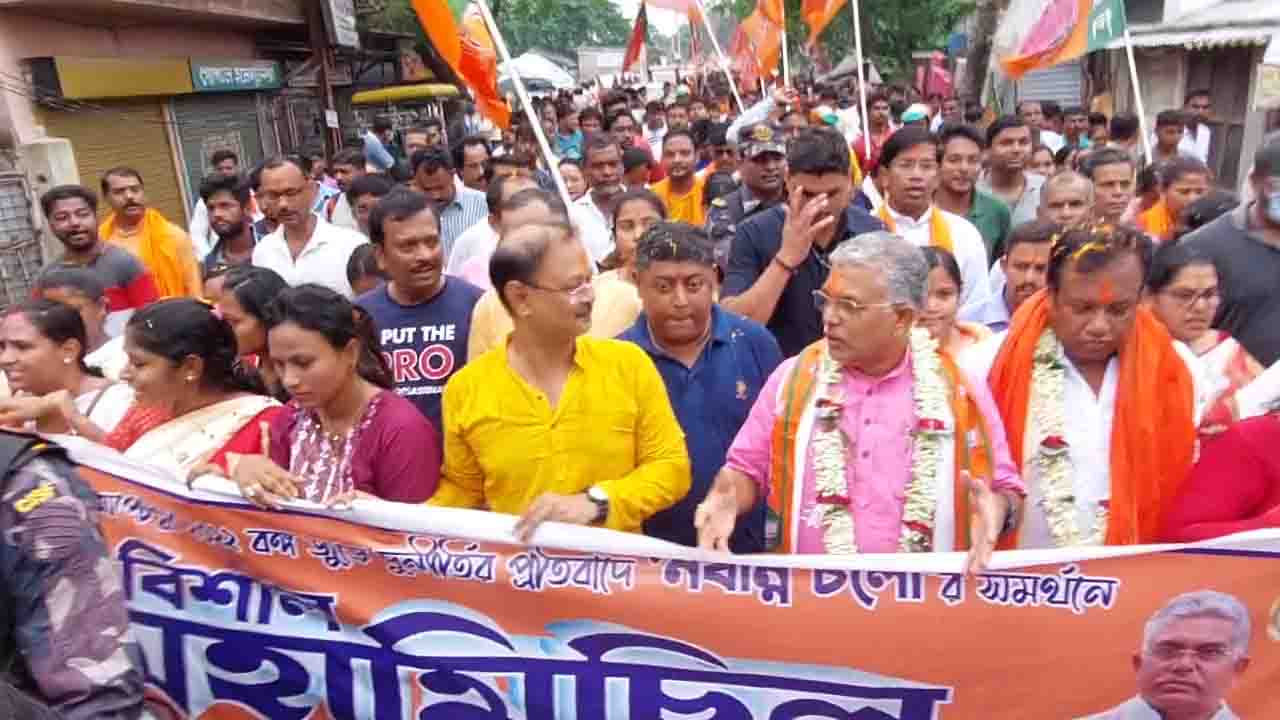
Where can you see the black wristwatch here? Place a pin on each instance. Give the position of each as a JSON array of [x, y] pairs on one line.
[[601, 499]]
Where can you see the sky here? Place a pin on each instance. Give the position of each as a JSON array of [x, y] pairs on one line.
[[664, 21]]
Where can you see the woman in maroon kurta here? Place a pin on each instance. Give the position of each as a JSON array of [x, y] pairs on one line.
[[1234, 487], [345, 432]]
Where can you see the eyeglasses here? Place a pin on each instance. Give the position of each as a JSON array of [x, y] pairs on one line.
[[1189, 298], [292, 193], [1203, 653], [582, 293], [844, 307]]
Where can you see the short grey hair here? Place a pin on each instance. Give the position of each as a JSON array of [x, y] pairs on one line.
[[1201, 604], [1065, 179], [901, 264]]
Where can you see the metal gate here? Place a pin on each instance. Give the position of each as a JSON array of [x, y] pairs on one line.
[[20, 255], [207, 123], [1060, 83]]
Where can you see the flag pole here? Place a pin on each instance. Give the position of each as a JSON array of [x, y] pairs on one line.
[[1137, 93], [724, 64], [523, 94], [786, 59], [862, 80]]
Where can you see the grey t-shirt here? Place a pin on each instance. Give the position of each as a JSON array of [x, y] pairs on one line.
[[1028, 206], [1249, 268]]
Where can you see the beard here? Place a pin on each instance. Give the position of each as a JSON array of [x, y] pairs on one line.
[[225, 231]]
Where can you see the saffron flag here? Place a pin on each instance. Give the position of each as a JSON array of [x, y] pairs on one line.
[[398, 611], [818, 14], [636, 45], [469, 51], [773, 11], [1038, 34]]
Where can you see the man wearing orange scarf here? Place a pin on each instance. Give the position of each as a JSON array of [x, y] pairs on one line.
[[867, 440], [909, 166], [163, 247], [1099, 402]]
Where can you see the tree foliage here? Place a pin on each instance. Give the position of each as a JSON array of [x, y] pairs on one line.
[[558, 25], [891, 29]]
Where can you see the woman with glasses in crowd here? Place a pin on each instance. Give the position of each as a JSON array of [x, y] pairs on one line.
[[1183, 292]]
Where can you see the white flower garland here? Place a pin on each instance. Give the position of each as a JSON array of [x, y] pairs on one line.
[[1053, 457], [930, 397]]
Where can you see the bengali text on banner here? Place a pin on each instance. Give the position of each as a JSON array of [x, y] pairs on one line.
[[399, 611]]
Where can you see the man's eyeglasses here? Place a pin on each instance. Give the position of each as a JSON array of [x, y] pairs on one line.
[[292, 194], [1202, 653], [844, 307], [582, 293]]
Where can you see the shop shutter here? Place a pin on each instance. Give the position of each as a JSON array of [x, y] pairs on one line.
[[215, 121], [106, 133], [1060, 83]]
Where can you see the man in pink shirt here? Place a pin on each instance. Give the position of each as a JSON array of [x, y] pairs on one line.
[[852, 442]]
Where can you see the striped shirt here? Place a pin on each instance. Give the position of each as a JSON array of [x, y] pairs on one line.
[[467, 208]]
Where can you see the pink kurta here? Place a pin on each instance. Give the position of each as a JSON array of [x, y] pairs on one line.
[[878, 417]]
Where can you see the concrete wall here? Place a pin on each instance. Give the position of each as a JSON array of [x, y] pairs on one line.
[[24, 36]]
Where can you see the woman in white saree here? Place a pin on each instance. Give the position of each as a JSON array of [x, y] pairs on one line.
[[183, 360]]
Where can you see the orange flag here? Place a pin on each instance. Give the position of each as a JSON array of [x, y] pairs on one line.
[[773, 11], [766, 37], [818, 14], [636, 45], [469, 51]]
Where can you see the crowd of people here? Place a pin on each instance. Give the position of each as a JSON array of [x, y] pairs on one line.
[[766, 331]]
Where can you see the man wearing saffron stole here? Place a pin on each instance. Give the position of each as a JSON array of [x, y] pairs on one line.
[[1099, 401], [871, 440]]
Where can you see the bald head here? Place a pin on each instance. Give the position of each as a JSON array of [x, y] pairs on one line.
[[1066, 199]]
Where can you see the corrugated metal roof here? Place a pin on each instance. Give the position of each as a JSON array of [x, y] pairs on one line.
[[1227, 23], [1198, 39]]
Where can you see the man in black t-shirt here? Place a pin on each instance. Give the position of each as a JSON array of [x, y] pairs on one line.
[[1245, 246], [423, 317], [778, 257]]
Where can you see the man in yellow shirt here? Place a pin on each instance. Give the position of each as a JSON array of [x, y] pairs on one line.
[[681, 190], [553, 425], [164, 248], [616, 306]]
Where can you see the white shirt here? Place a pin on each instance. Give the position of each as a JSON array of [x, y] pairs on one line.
[[202, 237], [1052, 140], [343, 214], [109, 358], [1196, 145], [593, 227], [970, 252], [479, 239], [1087, 420], [654, 138], [1137, 708], [997, 314], [323, 259]]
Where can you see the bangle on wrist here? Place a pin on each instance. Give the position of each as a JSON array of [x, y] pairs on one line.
[[791, 269]]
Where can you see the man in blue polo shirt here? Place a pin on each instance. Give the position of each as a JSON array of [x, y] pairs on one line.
[[713, 363], [779, 256]]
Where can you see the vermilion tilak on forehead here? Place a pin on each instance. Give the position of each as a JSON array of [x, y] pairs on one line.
[[1106, 292], [835, 285]]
